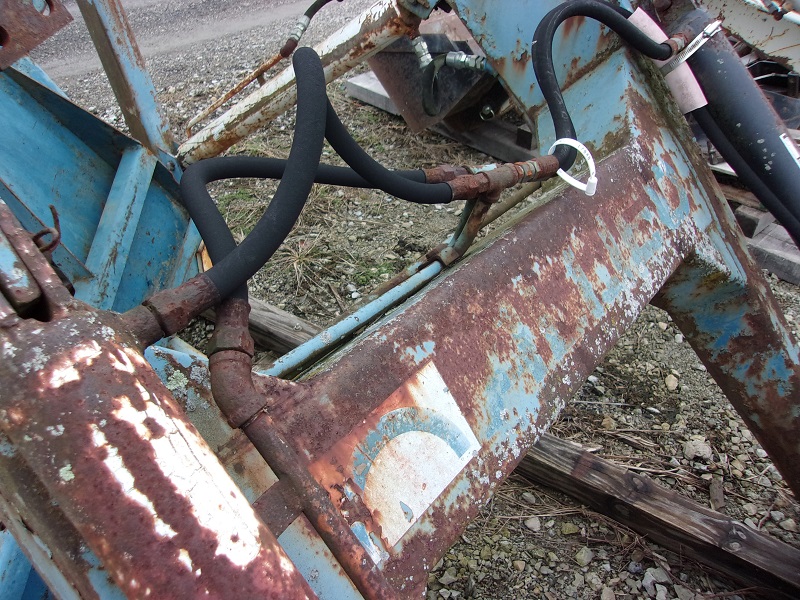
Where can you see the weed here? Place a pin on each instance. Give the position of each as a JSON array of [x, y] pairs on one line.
[[366, 277]]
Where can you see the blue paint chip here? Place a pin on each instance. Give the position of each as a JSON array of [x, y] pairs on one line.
[[407, 512]]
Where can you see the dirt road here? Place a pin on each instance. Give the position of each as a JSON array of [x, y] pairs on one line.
[[165, 29]]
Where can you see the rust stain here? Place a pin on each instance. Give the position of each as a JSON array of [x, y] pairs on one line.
[[572, 26]]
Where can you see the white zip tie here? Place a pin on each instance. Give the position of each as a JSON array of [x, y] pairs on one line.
[[588, 188], [708, 32]]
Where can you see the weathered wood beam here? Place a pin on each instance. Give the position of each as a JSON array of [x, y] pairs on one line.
[[740, 196], [665, 517]]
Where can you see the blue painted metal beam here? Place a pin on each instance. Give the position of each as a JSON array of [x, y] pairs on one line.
[[113, 240], [129, 78], [54, 152], [737, 329]]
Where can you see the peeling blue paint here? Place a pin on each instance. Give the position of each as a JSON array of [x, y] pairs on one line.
[[316, 563], [420, 353], [578, 276]]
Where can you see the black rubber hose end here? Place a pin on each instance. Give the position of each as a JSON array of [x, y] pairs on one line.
[[615, 18]]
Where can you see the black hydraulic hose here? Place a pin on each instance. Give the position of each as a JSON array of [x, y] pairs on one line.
[[315, 7], [378, 175], [198, 175], [204, 212], [613, 17], [234, 265], [745, 173], [746, 117]]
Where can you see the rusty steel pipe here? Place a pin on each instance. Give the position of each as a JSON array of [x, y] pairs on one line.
[[492, 181], [237, 397], [502, 207], [169, 311], [320, 510], [243, 83]]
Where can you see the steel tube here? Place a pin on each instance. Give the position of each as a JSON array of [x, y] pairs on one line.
[[232, 385], [333, 335]]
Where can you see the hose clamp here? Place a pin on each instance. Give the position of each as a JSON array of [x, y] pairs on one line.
[[588, 188], [708, 32]]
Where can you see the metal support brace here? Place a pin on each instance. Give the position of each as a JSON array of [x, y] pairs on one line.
[[372, 31], [112, 36], [117, 227], [734, 324]]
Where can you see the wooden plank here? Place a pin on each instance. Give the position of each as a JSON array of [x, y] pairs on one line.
[[775, 250], [665, 517], [275, 329], [740, 196]]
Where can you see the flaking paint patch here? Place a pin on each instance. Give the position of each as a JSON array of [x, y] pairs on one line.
[[66, 474], [234, 526], [127, 483]]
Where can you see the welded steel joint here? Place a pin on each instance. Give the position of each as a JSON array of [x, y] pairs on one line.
[[244, 406], [462, 240]]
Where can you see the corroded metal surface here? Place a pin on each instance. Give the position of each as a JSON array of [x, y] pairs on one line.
[[372, 31], [232, 383], [29, 259], [390, 446], [413, 426], [189, 381], [17, 286], [579, 45], [128, 470], [97, 448], [133, 87], [23, 26], [170, 311], [735, 326]]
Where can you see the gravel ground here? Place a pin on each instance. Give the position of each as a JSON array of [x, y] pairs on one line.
[[650, 405]]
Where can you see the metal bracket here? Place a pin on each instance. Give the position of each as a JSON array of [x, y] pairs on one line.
[[25, 24], [710, 31]]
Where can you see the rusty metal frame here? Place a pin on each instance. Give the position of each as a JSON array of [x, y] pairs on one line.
[[103, 465], [380, 454]]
